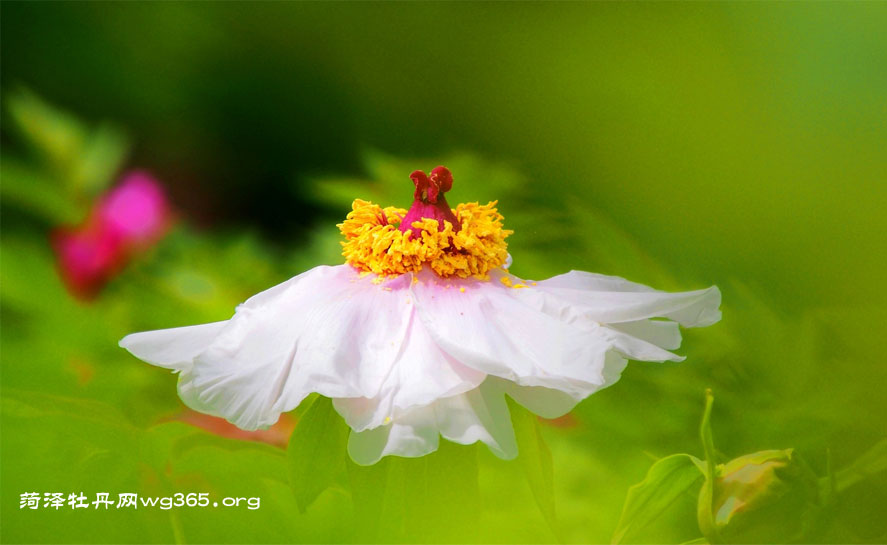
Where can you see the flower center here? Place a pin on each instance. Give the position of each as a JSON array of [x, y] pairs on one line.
[[429, 201], [466, 242]]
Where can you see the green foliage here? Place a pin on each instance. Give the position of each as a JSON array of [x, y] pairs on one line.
[[647, 194], [770, 496]]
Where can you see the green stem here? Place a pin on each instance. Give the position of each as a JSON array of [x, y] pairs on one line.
[[177, 531], [706, 496]]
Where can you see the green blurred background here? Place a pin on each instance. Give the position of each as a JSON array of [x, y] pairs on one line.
[[678, 144]]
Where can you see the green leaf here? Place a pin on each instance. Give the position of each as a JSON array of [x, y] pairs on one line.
[[102, 156], [158, 442], [369, 486], [37, 194], [665, 482], [86, 158], [432, 498], [316, 451], [64, 444], [446, 481], [535, 458], [56, 134]]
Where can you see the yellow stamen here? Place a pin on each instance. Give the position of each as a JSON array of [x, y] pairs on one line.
[[373, 247]]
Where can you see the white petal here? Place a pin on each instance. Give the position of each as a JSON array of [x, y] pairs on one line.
[[637, 349], [630, 313], [478, 415], [421, 374], [609, 299], [411, 436], [546, 402], [172, 348], [552, 335], [587, 281], [663, 334], [326, 331], [613, 368], [487, 328]]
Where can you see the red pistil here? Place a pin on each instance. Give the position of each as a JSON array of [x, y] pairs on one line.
[[429, 200]]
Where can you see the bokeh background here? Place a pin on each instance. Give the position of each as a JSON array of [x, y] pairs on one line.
[[676, 144]]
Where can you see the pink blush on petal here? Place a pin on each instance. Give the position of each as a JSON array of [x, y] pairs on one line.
[[278, 434]]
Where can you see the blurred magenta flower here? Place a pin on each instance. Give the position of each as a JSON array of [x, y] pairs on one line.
[[136, 210], [127, 219], [420, 337], [88, 256]]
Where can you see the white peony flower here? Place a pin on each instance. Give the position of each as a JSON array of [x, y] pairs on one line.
[[422, 333]]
